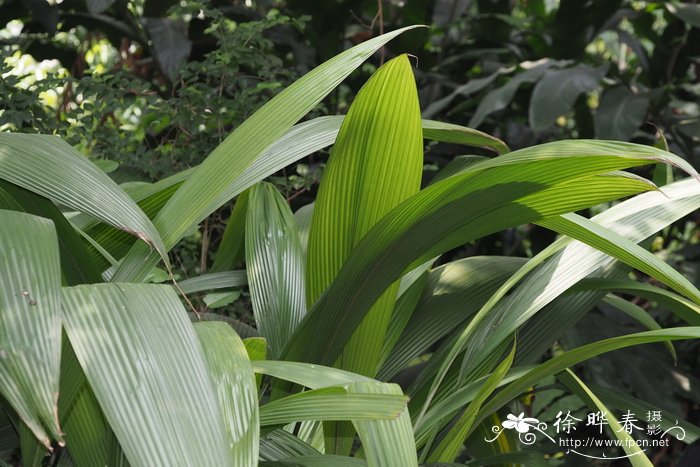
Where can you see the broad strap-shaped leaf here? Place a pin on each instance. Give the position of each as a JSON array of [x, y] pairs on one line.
[[201, 193], [147, 369], [275, 266], [50, 167], [519, 187], [214, 281], [77, 265], [579, 354], [376, 163], [236, 389], [30, 321], [634, 219], [386, 442], [334, 403]]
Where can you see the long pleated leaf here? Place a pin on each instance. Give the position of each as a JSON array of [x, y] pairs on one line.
[[77, 266], [199, 195], [236, 389], [386, 442], [48, 166], [146, 367], [214, 281], [519, 187], [376, 163], [275, 266], [306, 374], [332, 403], [577, 355], [635, 219], [30, 321]]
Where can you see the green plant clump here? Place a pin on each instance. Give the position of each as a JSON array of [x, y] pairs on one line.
[[100, 367]]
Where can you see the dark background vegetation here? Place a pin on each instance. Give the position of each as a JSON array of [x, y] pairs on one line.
[[149, 88]]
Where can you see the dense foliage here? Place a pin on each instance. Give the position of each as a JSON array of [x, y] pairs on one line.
[[420, 296]]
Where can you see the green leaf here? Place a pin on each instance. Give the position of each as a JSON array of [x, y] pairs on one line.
[[30, 321], [280, 444], [449, 133], [332, 403], [449, 446], [623, 401], [275, 266], [307, 375], [303, 217], [607, 241], [519, 187], [220, 299], [319, 460], [214, 281], [556, 92], [232, 247], [140, 369], [455, 291], [619, 114], [636, 219], [202, 192], [386, 442], [640, 315], [635, 455], [500, 98], [235, 387], [577, 355], [380, 140], [48, 166], [77, 266]]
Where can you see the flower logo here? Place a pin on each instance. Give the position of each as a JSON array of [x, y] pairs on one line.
[[520, 423]]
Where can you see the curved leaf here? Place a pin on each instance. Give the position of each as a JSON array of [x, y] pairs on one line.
[[235, 387], [150, 379], [30, 321], [275, 266], [50, 167]]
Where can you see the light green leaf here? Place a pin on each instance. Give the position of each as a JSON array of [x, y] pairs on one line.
[[77, 266], [308, 375], [332, 403], [577, 355], [202, 192], [385, 442], [214, 281], [275, 266], [151, 379], [235, 387], [518, 187], [30, 321], [48, 166], [380, 140], [607, 241], [619, 114], [556, 92], [449, 133]]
